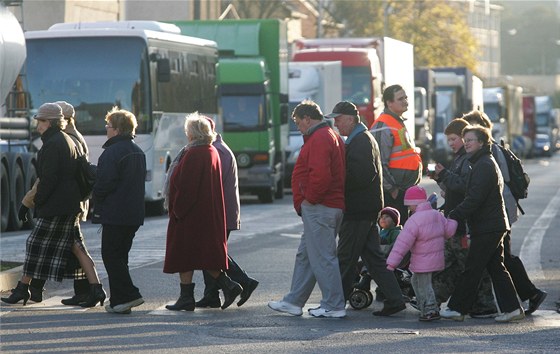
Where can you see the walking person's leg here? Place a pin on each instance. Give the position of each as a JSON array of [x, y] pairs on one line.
[[321, 228]]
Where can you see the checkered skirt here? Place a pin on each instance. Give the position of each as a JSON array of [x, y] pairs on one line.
[[48, 253]]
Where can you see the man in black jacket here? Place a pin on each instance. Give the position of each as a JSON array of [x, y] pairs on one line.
[[118, 196], [363, 195]]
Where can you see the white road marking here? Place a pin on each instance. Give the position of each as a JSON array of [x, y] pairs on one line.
[[531, 248]]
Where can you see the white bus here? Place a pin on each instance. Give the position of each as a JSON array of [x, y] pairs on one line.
[[145, 67]]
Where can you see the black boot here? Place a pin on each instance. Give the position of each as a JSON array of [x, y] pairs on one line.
[[81, 292], [230, 289], [96, 294], [20, 292], [186, 299], [36, 287]]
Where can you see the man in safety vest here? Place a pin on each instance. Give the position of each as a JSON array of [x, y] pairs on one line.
[[402, 165]]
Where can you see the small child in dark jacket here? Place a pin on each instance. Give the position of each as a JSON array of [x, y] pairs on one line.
[[424, 235]]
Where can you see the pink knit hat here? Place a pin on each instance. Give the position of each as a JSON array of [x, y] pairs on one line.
[[415, 195]]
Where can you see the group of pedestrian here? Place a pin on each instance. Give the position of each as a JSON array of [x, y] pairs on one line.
[[342, 188], [338, 189]]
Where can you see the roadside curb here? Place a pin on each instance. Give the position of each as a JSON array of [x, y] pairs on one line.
[[9, 278]]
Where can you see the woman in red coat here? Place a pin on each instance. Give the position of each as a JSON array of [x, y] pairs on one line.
[[196, 234]]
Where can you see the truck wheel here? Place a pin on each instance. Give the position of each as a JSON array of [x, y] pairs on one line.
[[279, 189], [31, 178], [266, 196], [5, 200], [19, 192]]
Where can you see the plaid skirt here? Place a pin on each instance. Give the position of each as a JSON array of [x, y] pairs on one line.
[[48, 251]]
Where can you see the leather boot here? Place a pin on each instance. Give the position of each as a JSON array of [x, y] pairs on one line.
[[36, 287], [230, 289], [81, 292], [186, 299], [96, 294], [20, 292]]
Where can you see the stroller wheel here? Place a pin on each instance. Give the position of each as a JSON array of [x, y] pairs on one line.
[[359, 299], [370, 298]]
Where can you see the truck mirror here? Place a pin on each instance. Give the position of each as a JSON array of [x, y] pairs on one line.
[[163, 70]]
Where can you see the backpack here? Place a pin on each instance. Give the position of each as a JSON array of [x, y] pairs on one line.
[[518, 178], [85, 176]]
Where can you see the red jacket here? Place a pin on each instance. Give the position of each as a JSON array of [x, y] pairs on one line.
[[319, 173]]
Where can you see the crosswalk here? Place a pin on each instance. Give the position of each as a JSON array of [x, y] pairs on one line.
[[149, 244]]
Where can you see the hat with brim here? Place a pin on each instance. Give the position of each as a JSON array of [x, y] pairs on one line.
[[49, 111], [67, 109], [344, 107]]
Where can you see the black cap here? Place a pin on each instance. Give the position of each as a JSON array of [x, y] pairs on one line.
[[343, 107]]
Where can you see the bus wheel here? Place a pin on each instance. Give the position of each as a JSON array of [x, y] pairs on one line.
[[266, 196], [5, 200]]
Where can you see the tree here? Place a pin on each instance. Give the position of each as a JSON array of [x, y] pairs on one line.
[[259, 8], [438, 30]]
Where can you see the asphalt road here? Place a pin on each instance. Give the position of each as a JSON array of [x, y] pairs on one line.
[[266, 248]]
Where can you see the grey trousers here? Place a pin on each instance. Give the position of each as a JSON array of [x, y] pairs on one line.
[[360, 238], [425, 296], [316, 260]]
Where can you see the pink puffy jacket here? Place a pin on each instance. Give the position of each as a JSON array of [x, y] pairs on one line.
[[424, 235]]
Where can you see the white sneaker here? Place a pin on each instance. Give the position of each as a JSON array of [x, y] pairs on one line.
[[451, 315], [128, 305], [514, 315], [321, 312], [283, 306]]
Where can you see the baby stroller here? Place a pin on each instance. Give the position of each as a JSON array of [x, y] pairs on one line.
[[362, 296]]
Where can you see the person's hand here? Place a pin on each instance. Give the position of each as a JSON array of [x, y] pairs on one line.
[[22, 214], [391, 268]]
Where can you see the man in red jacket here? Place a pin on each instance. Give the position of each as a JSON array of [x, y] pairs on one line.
[[318, 192]]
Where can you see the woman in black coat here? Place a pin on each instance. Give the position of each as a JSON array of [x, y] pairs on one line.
[[56, 235], [484, 210]]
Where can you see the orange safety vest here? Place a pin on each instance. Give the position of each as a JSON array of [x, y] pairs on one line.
[[403, 155]]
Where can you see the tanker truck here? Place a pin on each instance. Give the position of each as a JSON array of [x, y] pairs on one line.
[[17, 164]]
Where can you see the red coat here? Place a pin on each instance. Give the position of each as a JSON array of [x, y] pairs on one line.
[[196, 234]]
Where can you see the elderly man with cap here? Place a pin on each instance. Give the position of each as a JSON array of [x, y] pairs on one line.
[[363, 194], [81, 285], [318, 193], [56, 235]]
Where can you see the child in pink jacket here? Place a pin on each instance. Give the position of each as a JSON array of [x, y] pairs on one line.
[[424, 235]]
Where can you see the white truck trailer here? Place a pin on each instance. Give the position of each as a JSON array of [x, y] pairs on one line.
[[320, 82]]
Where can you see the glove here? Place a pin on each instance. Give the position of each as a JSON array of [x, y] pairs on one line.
[[22, 214]]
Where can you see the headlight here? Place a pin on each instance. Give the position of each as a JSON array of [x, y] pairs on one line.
[[243, 160]]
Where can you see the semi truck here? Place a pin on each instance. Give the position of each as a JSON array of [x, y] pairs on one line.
[[368, 66], [457, 91], [18, 159], [253, 90], [529, 122], [316, 81], [545, 123], [424, 113], [504, 107]]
